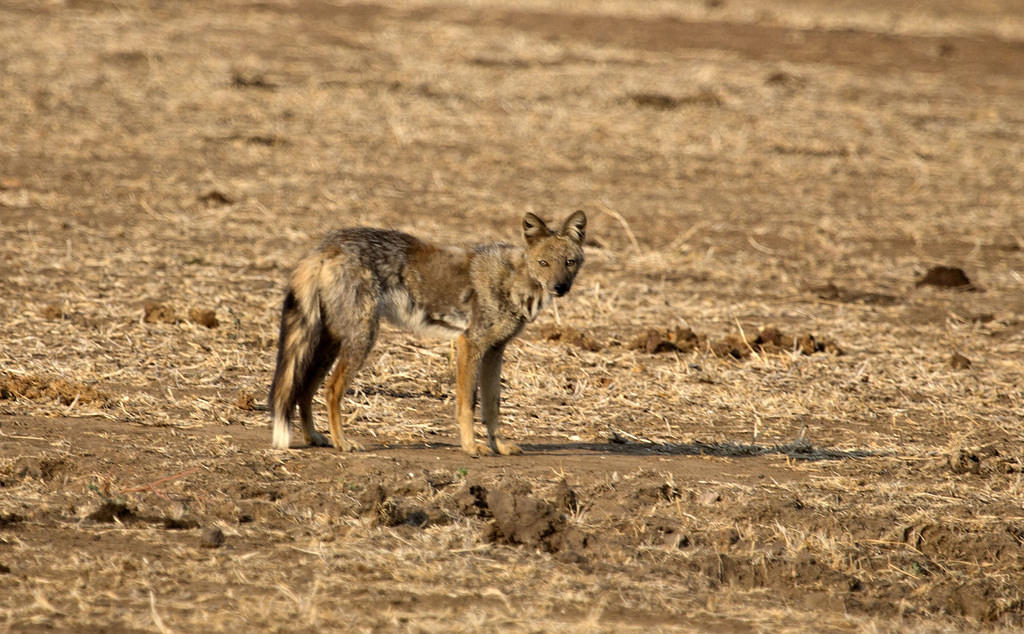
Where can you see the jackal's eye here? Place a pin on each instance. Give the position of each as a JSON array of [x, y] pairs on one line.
[[570, 262], [543, 262]]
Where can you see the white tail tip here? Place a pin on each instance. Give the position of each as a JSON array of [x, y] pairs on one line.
[[282, 435]]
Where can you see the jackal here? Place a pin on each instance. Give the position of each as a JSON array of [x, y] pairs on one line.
[[483, 296]]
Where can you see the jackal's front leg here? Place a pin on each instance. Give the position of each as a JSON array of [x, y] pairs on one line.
[[467, 372], [490, 401]]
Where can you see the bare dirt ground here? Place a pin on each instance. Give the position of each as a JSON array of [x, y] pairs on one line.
[[759, 409]]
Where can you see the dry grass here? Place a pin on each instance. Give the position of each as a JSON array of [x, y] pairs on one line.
[[161, 161]]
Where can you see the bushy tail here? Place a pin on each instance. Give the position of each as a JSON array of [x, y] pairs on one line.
[[301, 329]]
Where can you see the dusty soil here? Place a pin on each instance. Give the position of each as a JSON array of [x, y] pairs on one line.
[[785, 393]]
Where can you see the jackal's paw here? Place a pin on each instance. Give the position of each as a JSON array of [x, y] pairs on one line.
[[509, 449], [347, 445], [477, 449], [316, 439]]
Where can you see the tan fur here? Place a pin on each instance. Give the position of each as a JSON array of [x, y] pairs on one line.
[[482, 296]]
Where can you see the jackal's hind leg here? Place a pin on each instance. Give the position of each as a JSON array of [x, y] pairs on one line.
[[321, 363], [336, 387]]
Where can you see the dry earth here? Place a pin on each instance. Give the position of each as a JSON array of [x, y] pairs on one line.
[[761, 408]]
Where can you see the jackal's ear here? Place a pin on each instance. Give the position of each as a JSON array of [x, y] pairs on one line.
[[534, 228], [575, 227]]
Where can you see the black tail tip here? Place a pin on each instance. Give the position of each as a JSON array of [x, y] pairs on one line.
[[290, 301]]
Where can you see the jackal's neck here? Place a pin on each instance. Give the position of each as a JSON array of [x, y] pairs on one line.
[[526, 295], [503, 284]]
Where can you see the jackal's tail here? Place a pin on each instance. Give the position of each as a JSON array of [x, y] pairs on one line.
[[301, 330]]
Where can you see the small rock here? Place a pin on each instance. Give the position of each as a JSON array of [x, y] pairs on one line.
[[212, 537], [709, 498]]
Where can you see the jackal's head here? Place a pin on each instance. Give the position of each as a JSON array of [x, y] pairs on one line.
[[554, 258]]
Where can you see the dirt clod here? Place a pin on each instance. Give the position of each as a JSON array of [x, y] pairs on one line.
[[53, 312], [39, 468], [389, 506], [521, 519], [155, 312], [659, 101], [242, 79], [664, 491], [946, 277], [772, 341], [959, 362], [738, 345], [204, 317], [471, 500], [179, 523], [111, 511], [214, 198], [785, 79], [832, 292], [678, 339], [41, 388], [247, 400], [963, 461], [372, 498], [572, 336], [9, 519], [565, 498]]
